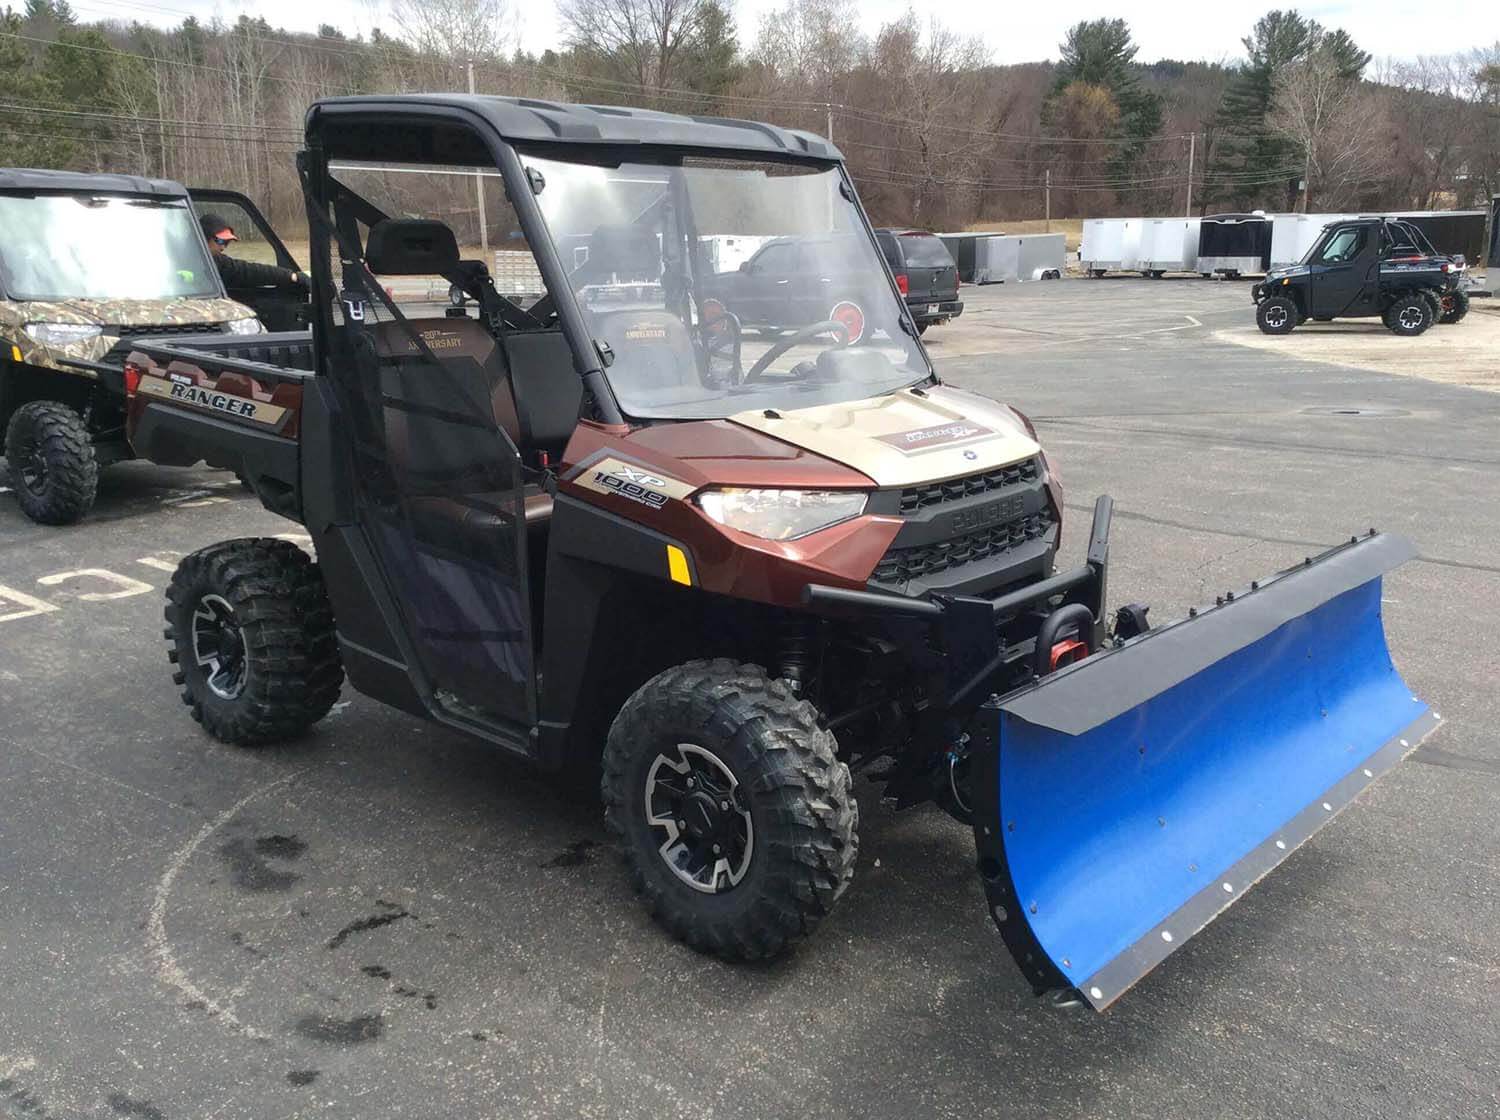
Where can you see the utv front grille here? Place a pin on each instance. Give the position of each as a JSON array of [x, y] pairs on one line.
[[154, 330], [915, 498], [900, 565]]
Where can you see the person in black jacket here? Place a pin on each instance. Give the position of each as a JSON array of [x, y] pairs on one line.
[[244, 274]]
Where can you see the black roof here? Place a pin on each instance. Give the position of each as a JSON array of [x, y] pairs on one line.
[[31, 179], [527, 119]]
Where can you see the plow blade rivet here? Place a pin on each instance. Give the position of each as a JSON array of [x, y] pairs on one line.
[[1192, 867], [1281, 844], [1067, 963], [1096, 993], [1369, 773], [1000, 914], [1229, 888], [1404, 743], [1436, 715], [1166, 935], [1327, 808], [1032, 908], [1161, 822]]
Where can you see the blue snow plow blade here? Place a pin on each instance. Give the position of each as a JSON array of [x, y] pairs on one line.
[[1140, 792]]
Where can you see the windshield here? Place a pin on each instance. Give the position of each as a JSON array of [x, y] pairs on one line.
[[64, 246], [721, 285]]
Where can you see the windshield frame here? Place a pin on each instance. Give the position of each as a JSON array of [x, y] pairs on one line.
[[211, 271], [570, 306]]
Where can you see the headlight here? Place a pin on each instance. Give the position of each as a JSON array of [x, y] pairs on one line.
[[60, 334], [781, 515], [244, 326]]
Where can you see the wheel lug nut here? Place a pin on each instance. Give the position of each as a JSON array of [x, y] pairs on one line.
[[724, 805], [716, 849]]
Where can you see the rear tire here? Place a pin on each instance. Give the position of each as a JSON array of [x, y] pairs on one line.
[[1276, 315], [1409, 316], [1454, 306], [730, 807], [252, 635], [52, 463]]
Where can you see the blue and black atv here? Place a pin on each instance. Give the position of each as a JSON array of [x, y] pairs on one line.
[[1361, 268]]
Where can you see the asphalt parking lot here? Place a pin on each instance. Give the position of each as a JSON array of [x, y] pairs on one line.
[[386, 920]]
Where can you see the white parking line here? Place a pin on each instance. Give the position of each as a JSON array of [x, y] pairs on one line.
[[128, 586], [157, 563], [29, 605]]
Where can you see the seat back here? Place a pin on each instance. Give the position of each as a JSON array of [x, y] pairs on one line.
[[473, 384]]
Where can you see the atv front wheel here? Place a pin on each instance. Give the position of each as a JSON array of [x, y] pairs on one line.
[[251, 633], [1276, 315], [1454, 306], [52, 462], [731, 808], [1409, 315]]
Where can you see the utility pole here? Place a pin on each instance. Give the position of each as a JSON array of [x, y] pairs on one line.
[[484, 224], [1192, 151], [828, 107], [1047, 195]]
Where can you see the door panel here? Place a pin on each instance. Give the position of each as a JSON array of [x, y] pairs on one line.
[[278, 309], [1340, 276]]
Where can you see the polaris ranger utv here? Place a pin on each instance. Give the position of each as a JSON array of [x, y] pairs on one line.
[[1360, 268], [86, 261], [605, 526]]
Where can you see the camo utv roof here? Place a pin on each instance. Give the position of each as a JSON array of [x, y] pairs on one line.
[[32, 179], [528, 119]]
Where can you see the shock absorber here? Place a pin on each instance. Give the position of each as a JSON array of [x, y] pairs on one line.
[[795, 649]]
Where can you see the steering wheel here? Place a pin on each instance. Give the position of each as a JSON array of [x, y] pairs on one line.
[[805, 334], [721, 341]]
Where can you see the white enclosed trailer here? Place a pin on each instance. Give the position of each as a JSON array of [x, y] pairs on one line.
[[1292, 235], [1168, 245], [1110, 245]]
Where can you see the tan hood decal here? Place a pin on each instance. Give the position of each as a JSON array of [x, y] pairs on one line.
[[902, 438]]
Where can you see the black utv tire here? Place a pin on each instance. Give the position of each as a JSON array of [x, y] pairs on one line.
[[785, 814], [1454, 306], [52, 464], [1409, 315], [1277, 315], [252, 635]]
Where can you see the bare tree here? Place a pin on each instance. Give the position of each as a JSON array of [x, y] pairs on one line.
[[644, 39], [1336, 127], [456, 29]]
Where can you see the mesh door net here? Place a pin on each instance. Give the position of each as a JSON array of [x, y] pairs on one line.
[[439, 480]]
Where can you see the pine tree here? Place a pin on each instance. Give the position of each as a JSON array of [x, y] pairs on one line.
[[1100, 53], [1247, 163]]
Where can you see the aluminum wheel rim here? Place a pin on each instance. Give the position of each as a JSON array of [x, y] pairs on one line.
[[694, 803], [1275, 316], [219, 647], [32, 468], [1410, 318]]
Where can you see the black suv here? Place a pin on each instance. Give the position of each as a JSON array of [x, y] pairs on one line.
[[925, 273]]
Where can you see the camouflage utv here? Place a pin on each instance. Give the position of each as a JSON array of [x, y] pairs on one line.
[[87, 261]]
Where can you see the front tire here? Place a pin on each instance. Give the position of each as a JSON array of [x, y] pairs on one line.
[[1277, 315], [1409, 315], [52, 462], [730, 807], [1454, 306], [252, 635]]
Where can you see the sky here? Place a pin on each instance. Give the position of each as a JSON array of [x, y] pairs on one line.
[[1014, 32]]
